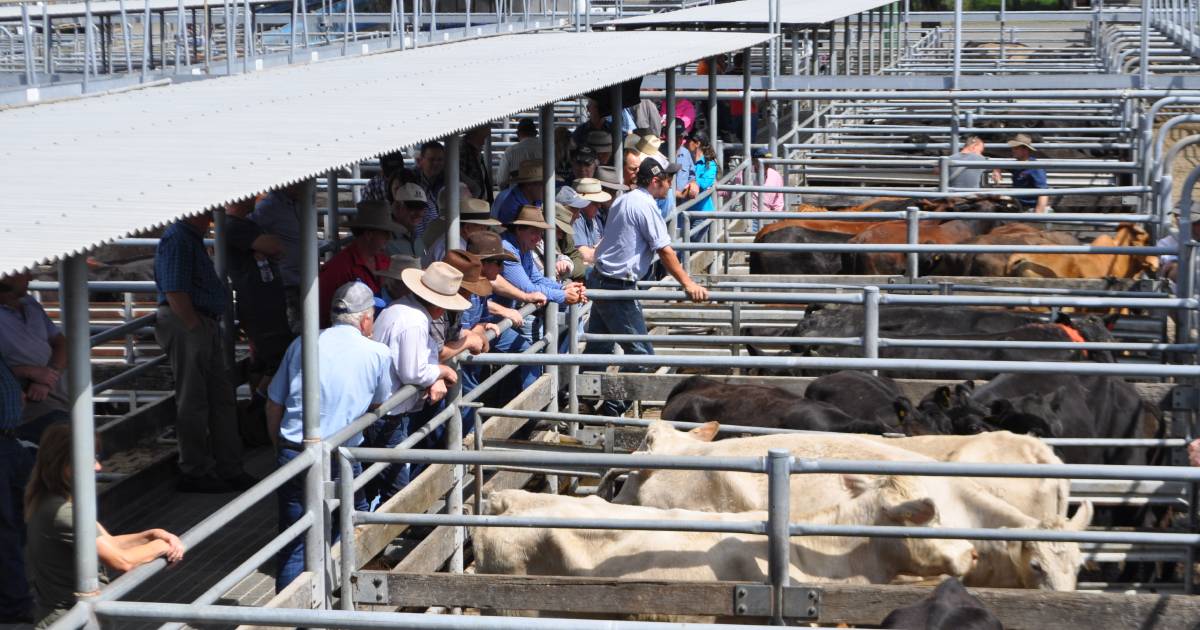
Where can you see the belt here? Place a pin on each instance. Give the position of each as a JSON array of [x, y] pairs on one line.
[[607, 278]]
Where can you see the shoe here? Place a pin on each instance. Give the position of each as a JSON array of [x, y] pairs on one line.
[[242, 482], [203, 485]]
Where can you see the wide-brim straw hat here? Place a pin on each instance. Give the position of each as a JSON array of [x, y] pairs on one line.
[[437, 284], [477, 211], [487, 246], [592, 189], [562, 219], [1022, 140], [374, 215], [531, 216], [610, 178], [397, 263], [471, 267], [528, 172], [648, 145]]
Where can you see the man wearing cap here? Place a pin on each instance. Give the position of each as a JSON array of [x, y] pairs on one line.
[[191, 299], [474, 216], [1022, 150], [634, 233], [409, 207], [352, 377], [363, 257], [586, 225], [404, 327], [583, 164], [430, 176], [278, 213], [528, 147], [522, 238], [390, 165], [527, 189]]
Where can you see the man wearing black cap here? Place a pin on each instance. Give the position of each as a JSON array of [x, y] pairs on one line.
[[633, 234]]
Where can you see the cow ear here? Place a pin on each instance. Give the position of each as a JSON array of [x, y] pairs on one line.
[[857, 484], [904, 409], [942, 397], [706, 432], [916, 512]]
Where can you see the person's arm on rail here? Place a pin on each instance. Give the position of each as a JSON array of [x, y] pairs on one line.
[[670, 261]]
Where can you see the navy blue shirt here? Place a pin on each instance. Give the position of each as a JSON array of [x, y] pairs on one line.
[[10, 399], [1028, 178], [182, 264]]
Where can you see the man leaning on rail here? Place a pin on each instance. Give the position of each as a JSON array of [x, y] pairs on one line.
[[635, 232], [352, 374]]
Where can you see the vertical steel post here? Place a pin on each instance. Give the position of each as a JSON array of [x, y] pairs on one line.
[[454, 192], [221, 263], [747, 135], [345, 484], [672, 153], [957, 74], [845, 45], [314, 541], [871, 324], [551, 245], [618, 158], [333, 218], [292, 34], [126, 38], [858, 46], [913, 236], [779, 510], [772, 14], [943, 173], [573, 315], [247, 36], [48, 40], [147, 42], [230, 38], [73, 278], [1144, 52], [714, 265], [27, 42], [87, 43]]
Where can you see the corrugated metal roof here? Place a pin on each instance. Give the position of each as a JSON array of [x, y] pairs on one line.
[[101, 7], [754, 12], [82, 173]]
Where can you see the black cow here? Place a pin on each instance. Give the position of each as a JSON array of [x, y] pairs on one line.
[[862, 395], [701, 399], [949, 607], [809, 263], [954, 411]]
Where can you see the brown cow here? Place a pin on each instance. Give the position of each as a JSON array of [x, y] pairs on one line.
[[947, 233], [995, 265], [1090, 265]]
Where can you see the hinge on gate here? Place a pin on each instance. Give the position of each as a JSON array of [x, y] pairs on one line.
[[799, 603], [1185, 398]]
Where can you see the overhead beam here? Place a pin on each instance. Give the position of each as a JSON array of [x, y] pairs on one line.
[[994, 85]]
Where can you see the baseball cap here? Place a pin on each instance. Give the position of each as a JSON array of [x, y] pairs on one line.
[[584, 155], [352, 297], [568, 197], [697, 135], [656, 166]]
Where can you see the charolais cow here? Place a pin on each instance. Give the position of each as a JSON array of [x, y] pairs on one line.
[[861, 395], [708, 556], [998, 264], [961, 502], [948, 607], [1034, 265], [701, 399]]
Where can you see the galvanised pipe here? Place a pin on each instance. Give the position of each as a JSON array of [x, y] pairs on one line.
[[639, 524], [348, 560], [1018, 471], [598, 461], [628, 422], [927, 216], [314, 541], [122, 329], [920, 194], [935, 95], [900, 248], [131, 373], [893, 146], [891, 298], [830, 363], [927, 286], [722, 340], [73, 272], [778, 516]]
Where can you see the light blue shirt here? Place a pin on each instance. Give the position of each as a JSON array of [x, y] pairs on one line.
[[525, 274], [634, 233], [508, 204], [687, 169], [587, 232], [353, 375]]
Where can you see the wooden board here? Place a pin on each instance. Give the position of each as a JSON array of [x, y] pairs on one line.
[[632, 386], [861, 604], [298, 594]]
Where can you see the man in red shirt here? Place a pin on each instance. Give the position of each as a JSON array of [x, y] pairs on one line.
[[372, 227]]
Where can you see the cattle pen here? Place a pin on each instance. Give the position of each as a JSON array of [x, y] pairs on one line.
[[853, 105]]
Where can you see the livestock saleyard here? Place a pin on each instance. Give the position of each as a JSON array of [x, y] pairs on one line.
[[1023, 382]]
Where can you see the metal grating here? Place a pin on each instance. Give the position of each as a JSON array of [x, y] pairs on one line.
[[82, 173], [753, 12]]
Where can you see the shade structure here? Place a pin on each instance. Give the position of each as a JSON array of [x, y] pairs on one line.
[[82, 173], [750, 13]]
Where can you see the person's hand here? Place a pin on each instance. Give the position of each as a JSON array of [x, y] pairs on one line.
[[537, 297], [446, 373], [493, 328], [175, 547], [37, 392], [46, 375], [437, 391], [514, 316], [1194, 453], [192, 323], [563, 267], [474, 342], [695, 292], [574, 293]]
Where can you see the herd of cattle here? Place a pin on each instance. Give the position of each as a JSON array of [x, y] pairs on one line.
[[980, 231]]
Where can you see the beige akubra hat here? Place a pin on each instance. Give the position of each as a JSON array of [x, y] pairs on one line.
[[591, 189], [437, 284], [1022, 140]]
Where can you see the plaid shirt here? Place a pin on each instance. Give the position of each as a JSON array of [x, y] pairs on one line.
[[10, 399], [181, 264]]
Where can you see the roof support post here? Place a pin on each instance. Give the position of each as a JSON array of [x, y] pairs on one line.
[[453, 192], [618, 156], [27, 42], [673, 149], [87, 42], [747, 130], [551, 245], [247, 36], [858, 46], [333, 218], [845, 45], [957, 74], [221, 263], [73, 278], [314, 538], [147, 41]]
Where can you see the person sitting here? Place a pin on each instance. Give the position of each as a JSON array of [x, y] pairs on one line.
[[527, 189], [587, 226], [409, 207], [521, 239], [595, 122], [50, 549], [430, 175], [404, 327], [1026, 178], [583, 164], [528, 147], [363, 258], [352, 374], [600, 142], [390, 165], [473, 216]]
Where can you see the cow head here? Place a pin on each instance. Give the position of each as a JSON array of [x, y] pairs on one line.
[[1033, 414], [928, 418], [1054, 566], [905, 502]]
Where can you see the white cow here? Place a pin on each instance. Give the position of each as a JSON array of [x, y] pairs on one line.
[[961, 502], [706, 556]]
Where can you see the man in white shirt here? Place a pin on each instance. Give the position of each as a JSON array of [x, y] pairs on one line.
[[528, 147]]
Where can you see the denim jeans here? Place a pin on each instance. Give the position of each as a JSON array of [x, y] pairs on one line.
[[616, 317], [509, 342], [16, 462], [387, 432]]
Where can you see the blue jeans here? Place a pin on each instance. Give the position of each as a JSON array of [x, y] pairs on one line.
[[387, 432], [290, 561], [616, 317], [16, 462], [509, 342]]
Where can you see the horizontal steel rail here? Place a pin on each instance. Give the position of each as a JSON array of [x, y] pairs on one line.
[[919, 248], [924, 194], [884, 342], [893, 298], [926, 215]]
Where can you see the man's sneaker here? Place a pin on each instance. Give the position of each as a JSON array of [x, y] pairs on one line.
[[203, 485]]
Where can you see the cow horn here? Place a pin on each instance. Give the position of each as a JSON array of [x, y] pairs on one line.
[[1082, 518]]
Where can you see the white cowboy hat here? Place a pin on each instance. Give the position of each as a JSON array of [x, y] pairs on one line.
[[591, 189], [437, 284]]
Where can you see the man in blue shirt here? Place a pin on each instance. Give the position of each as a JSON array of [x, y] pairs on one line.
[[524, 234], [527, 189], [1022, 150], [635, 232], [15, 464], [353, 378], [493, 256], [191, 299]]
